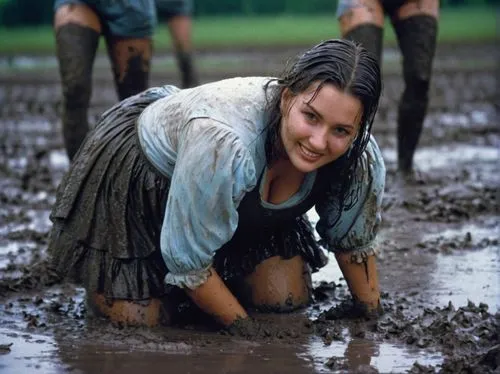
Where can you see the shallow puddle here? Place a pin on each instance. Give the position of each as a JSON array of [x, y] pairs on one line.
[[28, 353], [357, 354], [451, 154], [469, 274], [45, 354]]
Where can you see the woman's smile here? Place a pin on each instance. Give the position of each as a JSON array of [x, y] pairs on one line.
[[308, 154], [318, 126]]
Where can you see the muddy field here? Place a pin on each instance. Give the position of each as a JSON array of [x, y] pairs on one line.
[[439, 246]]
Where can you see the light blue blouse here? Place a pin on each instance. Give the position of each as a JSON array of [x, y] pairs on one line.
[[209, 141]]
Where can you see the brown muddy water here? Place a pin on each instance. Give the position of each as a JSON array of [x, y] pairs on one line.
[[439, 247]]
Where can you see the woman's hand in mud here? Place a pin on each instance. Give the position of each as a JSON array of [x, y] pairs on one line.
[[250, 328], [247, 328], [353, 309]]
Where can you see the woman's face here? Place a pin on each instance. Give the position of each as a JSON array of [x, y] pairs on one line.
[[317, 132]]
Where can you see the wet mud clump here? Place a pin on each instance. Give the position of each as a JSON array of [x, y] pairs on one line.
[[468, 336]]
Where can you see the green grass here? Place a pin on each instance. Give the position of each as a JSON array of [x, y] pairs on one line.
[[456, 26]]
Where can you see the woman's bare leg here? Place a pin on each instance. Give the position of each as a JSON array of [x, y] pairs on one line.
[[279, 284], [131, 61], [128, 312], [180, 29]]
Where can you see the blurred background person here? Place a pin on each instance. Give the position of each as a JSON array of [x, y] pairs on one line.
[[178, 15], [415, 23], [127, 27]]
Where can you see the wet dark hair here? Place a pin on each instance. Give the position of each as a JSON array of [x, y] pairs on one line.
[[351, 69]]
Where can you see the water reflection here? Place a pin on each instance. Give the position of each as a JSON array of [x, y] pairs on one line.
[[28, 353], [442, 157], [360, 354], [478, 268], [174, 351]]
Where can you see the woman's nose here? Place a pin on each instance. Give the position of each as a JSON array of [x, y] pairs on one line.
[[318, 139]]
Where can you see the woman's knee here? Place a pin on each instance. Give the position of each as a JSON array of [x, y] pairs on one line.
[[279, 284], [150, 313], [79, 14], [417, 7], [363, 23], [354, 13]]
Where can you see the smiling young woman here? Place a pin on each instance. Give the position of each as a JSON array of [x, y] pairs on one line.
[[206, 189], [313, 134]]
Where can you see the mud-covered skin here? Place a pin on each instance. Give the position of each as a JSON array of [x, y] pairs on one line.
[[131, 62], [370, 36], [417, 36], [189, 77], [75, 48]]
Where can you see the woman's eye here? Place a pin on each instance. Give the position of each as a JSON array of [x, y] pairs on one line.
[[310, 116], [340, 131]]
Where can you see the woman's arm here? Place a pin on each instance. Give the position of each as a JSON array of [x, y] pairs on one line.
[[214, 298], [352, 237]]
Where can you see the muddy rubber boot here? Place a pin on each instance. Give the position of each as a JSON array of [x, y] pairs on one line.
[[417, 37], [360, 273], [75, 48], [369, 36], [189, 77]]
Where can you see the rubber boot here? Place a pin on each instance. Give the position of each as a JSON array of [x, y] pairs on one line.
[[360, 273], [75, 48], [417, 40], [369, 36]]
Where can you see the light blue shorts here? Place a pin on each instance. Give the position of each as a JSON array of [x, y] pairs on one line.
[[343, 6], [126, 18], [389, 6]]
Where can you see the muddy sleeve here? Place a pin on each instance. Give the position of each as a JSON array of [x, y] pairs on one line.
[[356, 228], [212, 173]]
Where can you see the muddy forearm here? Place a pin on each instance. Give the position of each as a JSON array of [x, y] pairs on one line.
[[214, 298]]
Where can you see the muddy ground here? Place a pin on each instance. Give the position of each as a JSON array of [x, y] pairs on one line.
[[439, 245]]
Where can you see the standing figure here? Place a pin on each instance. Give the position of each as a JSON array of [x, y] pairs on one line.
[[177, 14], [127, 27], [415, 23], [204, 192]]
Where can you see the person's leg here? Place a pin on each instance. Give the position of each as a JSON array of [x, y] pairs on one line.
[[363, 22], [128, 312], [178, 15], [180, 30], [131, 61], [279, 284], [77, 30], [415, 24]]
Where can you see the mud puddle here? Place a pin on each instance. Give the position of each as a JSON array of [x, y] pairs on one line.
[[439, 257], [363, 355]]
